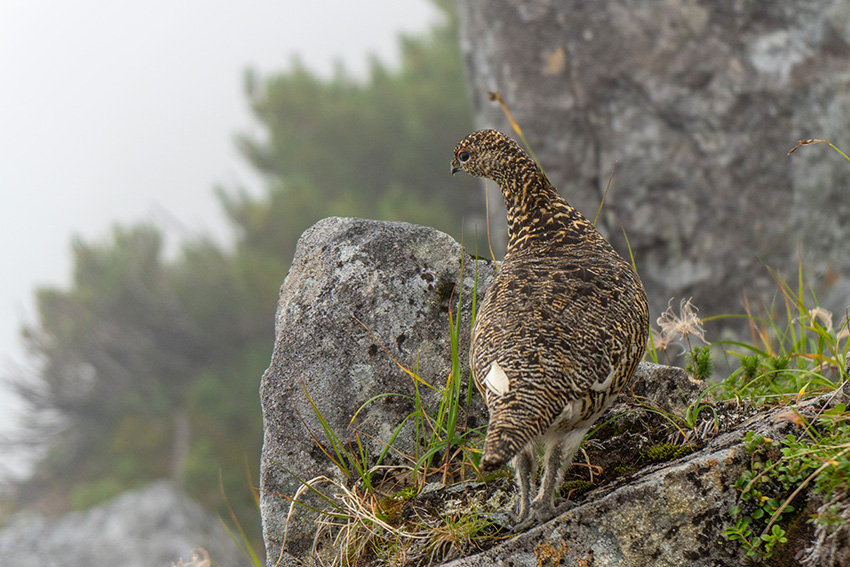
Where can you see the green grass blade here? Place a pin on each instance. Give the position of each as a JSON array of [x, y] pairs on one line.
[[337, 445]]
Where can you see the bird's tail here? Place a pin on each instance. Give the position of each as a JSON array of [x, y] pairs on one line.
[[508, 433]]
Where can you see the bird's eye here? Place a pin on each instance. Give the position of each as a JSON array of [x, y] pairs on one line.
[[463, 156]]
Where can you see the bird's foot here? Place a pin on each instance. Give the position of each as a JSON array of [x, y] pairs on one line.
[[518, 517], [520, 511], [541, 513], [561, 505]]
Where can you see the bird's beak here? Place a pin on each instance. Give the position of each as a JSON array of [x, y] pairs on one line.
[[455, 168]]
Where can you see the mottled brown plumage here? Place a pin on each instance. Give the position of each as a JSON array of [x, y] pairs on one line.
[[561, 328]]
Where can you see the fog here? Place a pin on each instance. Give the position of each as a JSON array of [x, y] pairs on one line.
[[126, 112]]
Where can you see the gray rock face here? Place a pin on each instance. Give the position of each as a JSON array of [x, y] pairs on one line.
[[697, 104], [154, 527], [667, 388], [358, 295]]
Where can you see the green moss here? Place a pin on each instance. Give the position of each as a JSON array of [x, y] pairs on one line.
[[665, 452], [444, 290], [388, 509], [575, 488], [621, 470]]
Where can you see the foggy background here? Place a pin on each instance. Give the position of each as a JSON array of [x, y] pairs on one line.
[[122, 112], [159, 162]]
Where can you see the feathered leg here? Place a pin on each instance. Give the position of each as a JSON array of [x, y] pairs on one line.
[[523, 465], [560, 449]]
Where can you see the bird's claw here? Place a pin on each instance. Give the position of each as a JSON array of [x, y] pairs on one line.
[[516, 518], [540, 514]]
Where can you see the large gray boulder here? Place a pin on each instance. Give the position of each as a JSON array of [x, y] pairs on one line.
[[697, 104], [153, 527], [360, 296]]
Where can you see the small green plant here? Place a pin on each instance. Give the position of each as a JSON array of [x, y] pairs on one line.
[[235, 530], [693, 413], [756, 547], [758, 487], [408, 493], [700, 366], [790, 357], [780, 470], [448, 436]]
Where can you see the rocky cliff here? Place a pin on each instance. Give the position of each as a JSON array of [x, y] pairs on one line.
[[696, 104]]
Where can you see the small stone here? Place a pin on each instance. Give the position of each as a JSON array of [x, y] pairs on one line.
[[430, 488]]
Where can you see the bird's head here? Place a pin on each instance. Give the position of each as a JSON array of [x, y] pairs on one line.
[[482, 152]]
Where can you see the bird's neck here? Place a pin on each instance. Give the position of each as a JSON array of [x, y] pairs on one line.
[[536, 213]]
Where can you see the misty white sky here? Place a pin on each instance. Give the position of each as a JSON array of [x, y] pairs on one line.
[[126, 111]]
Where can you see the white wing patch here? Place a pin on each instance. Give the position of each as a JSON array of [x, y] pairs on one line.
[[497, 381], [603, 386], [606, 384]]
